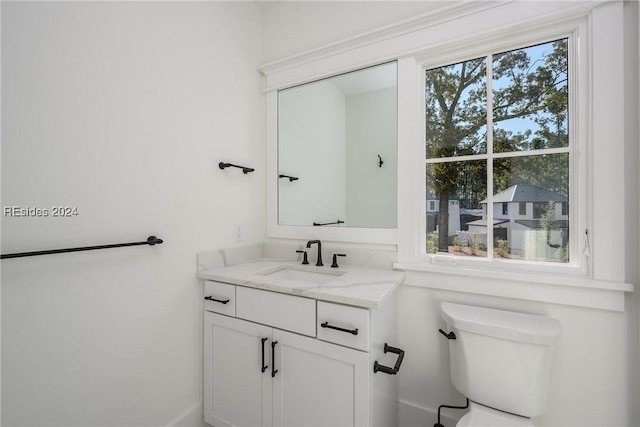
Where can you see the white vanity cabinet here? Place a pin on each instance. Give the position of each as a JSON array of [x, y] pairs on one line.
[[286, 360], [236, 391]]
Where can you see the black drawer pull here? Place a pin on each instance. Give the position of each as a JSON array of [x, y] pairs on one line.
[[387, 370], [217, 300], [274, 371], [349, 331], [264, 367]]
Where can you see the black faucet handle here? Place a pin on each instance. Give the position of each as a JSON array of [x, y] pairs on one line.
[[335, 260], [305, 260]]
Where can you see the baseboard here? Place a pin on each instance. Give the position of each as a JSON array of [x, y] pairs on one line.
[[409, 415], [414, 415], [192, 417]]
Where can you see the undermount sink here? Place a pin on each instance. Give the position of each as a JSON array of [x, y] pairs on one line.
[[301, 275]]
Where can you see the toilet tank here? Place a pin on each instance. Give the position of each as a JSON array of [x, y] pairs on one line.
[[501, 359]]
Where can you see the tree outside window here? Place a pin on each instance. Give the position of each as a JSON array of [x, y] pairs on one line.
[[497, 134]]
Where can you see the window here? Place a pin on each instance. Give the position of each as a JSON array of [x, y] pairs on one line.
[[497, 132], [539, 209]]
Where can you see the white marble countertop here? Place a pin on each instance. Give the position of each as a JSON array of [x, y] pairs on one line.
[[353, 285]]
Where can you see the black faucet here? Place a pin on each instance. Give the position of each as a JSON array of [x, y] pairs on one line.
[[311, 242]]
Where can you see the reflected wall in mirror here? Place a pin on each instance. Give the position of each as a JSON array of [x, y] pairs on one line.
[[337, 150]]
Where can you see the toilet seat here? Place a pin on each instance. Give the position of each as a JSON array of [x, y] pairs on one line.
[[480, 415]]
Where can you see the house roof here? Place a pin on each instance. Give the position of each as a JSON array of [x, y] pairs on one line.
[[527, 193]]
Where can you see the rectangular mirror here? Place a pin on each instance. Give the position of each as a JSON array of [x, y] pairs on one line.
[[337, 151]]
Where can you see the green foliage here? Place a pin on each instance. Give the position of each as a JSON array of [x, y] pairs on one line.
[[432, 246], [501, 248], [562, 254], [528, 87], [548, 219]]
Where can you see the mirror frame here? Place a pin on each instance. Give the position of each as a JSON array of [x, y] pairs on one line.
[[338, 234]]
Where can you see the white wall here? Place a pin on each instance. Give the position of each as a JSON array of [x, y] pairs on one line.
[[122, 109], [632, 160], [292, 27]]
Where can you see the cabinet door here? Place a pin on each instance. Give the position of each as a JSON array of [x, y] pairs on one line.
[[236, 390], [319, 384]]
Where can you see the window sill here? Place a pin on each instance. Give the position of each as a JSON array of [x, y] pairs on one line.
[[574, 291]]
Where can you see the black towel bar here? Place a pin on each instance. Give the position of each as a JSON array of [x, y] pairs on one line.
[[151, 240]]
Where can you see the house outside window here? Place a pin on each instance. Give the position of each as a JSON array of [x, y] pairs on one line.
[[498, 133]]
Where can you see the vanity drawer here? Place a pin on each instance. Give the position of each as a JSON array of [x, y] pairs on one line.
[[220, 298], [288, 312], [344, 325]]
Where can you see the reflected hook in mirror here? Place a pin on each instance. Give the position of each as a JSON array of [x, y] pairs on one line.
[[291, 178]]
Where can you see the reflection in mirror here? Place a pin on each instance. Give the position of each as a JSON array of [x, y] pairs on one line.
[[337, 151]]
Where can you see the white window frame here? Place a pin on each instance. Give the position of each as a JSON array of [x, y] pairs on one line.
[[575, 32]]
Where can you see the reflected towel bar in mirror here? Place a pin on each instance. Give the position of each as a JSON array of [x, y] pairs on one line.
[[317, 224]]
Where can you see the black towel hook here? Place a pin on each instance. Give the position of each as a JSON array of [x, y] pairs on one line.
[[380, 162]]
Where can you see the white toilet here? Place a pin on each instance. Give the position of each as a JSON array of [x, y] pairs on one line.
[[501, 361]]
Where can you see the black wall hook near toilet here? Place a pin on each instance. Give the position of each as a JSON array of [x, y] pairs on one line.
[[245, 169], [449, 335], [380, 162]]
